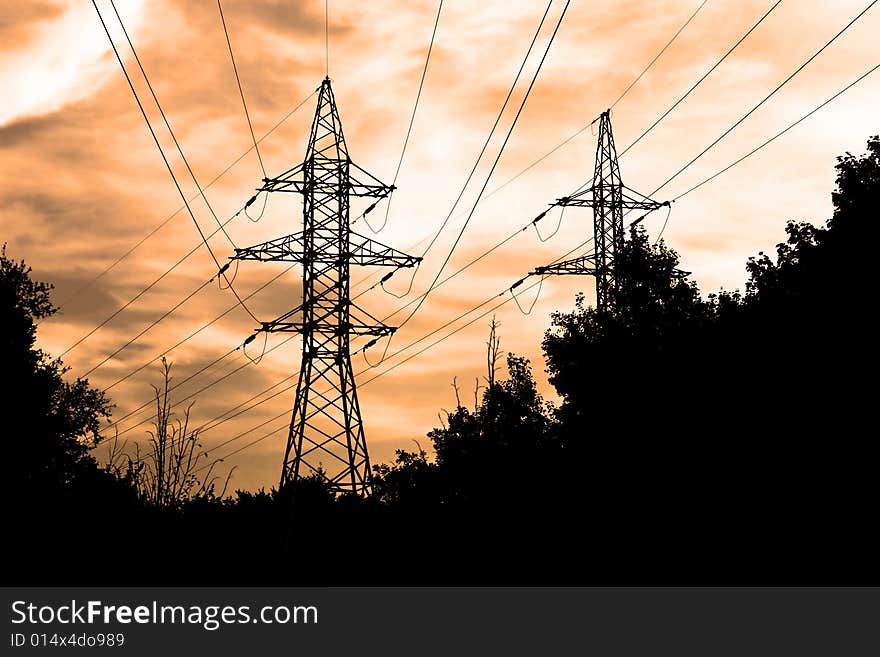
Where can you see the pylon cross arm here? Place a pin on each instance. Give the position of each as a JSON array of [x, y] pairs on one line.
[[359, 181], [626, 199], [285, 182], [367, 251], [581, 265], [373, 330], [293, 248]]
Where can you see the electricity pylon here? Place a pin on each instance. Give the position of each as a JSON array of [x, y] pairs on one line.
[[326, 431], [608, 197]]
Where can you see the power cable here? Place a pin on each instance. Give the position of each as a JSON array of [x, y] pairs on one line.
[[658, 55], [779, 134], [197, 331], [771, 94], [168, 124], [412, 118], [703, 78], [494, 164], [241, 90], [164, 158], [485, 144], [139, 294], [167, 219]]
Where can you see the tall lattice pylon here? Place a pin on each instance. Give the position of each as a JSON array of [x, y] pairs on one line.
[[326, 431], [608, 197]]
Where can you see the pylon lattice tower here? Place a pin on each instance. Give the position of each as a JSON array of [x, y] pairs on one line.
[[326, 430], [608, 197]]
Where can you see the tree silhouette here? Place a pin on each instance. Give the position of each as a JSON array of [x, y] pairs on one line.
[[50, 423], [54, 485]]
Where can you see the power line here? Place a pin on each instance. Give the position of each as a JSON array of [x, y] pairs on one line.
[[256, 148], [365, 291], [220, 268], [171, 216], [780, 133], [494, 164], [520, 106], [398, 364], [327, 38], [203, 388], [231, 351], [558, 146], [411, 302], [412, 118], [408, 346], [168, 124], [240, 89], [131, 341], [139, 294], [494, 296], [582, 129], [659, 54], [705, 75], [719, 173], [485, 146], [771, 94], [408, 358], [197, 331], [585, 127], [164, 158], [217, 318]]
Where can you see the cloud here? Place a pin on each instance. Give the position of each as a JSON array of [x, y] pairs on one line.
[[21, 20]]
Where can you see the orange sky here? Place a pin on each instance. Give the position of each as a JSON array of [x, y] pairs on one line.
[[81, 180]]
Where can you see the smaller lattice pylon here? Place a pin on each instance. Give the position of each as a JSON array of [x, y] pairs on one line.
[[608, 197]]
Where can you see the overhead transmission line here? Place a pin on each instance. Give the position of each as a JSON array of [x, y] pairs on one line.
[[773, 93], [187, 338], [482, 152], [658, 55], [201, 192], [192, 174], [211, 364], [404, 348], [586, 127], [240, 88], [327, 38], [131, 341], [654, 60], [703, 78], [253, 136], [690, 190], [292, 336], [412, 119], [142, 292], [779, 134], [220, 419], [495, 162], [205, 241], [171, 216]]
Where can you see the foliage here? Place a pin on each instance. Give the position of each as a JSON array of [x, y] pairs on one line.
[[175, 469], [50, 422]]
